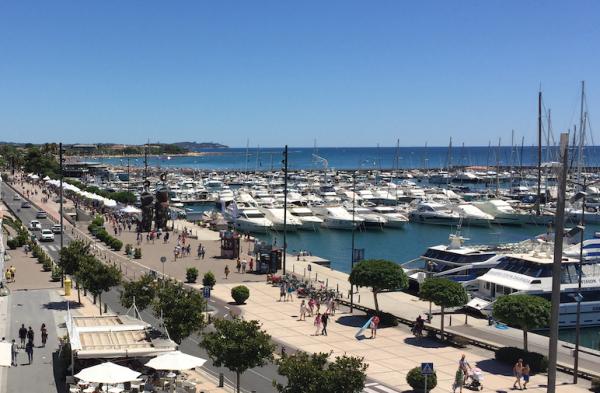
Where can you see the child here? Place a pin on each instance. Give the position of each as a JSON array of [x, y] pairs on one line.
[[526, 371]]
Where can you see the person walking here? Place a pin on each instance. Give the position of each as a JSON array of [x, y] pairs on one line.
[[311, 306], [251, 265], [459, 380], [302, 311], [526, 372], [317, 324], [29, 350], [464, 366], [14, 350], [518, 373], [324, 320], [290, 293], [44, 334], [282, 292], [227, 271], [238, 265], [199, 251], [203, 252], [23, 335], [244, 266]]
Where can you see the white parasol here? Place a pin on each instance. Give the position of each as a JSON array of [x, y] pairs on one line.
[[107, 373], [175, 361]]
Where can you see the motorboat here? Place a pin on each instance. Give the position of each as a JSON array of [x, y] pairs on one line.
[[306, 216], [337, 217], [434, 213], [393, 217], [502, 211], [473, 216], [370, 219], [247, 219], [280, 219]]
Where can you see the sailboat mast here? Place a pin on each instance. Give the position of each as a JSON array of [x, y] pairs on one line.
[[539, 163], [581, 132]]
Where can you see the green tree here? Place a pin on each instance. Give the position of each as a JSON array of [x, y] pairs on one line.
[[523, 311], [181, 309], [209, 279], [71, 259], [238, 345], [41, 163], [142, 290], [443, 293], [380, 275], [99, 278], [307, 373]]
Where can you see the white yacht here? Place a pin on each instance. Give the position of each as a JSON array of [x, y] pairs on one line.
[[531, 273], [471, 215], [502, 211], [370, 219], [336, 217], [276, 215], [248, 219], [394, 218], [434, 213], [309, 220]]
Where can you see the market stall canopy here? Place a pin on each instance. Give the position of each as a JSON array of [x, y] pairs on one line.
[[175, 361], [107, 373]]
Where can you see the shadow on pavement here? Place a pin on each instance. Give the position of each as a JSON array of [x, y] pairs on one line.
[[356, 321], [59, 373], [494, 367], [60, 306], [424, 342]]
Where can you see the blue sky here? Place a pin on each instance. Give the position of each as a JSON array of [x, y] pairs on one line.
[[346, 73]]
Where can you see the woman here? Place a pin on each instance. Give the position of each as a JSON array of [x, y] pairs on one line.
[[226, 271], [317, 324], [302, 311], [459, 380], [44, 334], [311, 306], [518, 372]]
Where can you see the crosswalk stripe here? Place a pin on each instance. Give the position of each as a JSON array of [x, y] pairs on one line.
[[369, 390], [374, 387], [371, 384], [386, 389]]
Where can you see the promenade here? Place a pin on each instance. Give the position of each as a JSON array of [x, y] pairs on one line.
[[390, 356]]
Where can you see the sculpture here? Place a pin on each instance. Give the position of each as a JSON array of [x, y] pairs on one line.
[[161, 206], [147, 212]]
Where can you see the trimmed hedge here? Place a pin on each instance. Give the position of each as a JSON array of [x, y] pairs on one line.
[[97, 229], [240, 294], [209, 279], [137, 254], [191, 274], [537, 362], [417, 381]]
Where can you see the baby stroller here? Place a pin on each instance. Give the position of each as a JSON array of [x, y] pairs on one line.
[[475, 380]]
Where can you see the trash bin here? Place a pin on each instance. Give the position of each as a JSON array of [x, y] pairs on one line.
[[68, 285]]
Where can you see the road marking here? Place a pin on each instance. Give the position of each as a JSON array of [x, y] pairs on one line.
[[53, 248], [374, 387]]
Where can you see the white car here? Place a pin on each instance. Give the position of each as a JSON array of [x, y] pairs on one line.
[[56, 228], [16, 197], [47, 235], [35, 225]]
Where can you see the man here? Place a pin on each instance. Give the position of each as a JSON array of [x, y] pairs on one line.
[[30, 335], [29, 350], [324, 320], [518, 373], [14, 350], [22, 335]]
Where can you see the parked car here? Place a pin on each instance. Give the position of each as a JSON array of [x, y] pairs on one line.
[[17, 197], [35, 225], [47, 235], [56, 229], [25, 204], [41, 214]]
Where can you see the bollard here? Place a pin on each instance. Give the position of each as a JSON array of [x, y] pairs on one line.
[[221, 380], [327, 283], [304, 274], [337, 287], [450, 320], [317, 276], [105, 308]]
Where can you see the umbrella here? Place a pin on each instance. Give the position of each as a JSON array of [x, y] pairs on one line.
[[175, 361], [107, 373], [130, 210]]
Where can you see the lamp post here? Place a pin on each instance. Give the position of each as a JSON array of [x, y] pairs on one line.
[[285, 190], [353, 230], [62, 228]]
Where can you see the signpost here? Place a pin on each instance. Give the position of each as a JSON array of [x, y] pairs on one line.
[[426, 370], [206, 292]]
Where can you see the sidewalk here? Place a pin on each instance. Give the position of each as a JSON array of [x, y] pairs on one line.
[[390, 356]]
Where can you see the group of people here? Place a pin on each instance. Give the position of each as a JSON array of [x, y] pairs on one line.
[[242, 265], [314, 305], [26, 337], [418, 327], [10, 273]]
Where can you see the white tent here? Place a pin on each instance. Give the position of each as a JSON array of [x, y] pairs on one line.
[[130, 210], [107, 373], [175, 361]]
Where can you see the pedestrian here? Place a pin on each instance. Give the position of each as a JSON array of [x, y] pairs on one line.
[[459, 380], [374, 325], [226, 271], [30, 335], [203, 252], [311, 306], [166, 238], [14, 350], [302, 311], [526, 372], [238, 265], [7, 275], [464, 366], [244, 266], [290, 293], [199, 250], [318, 305], [518, 373], [251, 264], [44, 334], [281, 292], [317, 324], [22, 335], [29, 350], [13, 273], [324, 319]]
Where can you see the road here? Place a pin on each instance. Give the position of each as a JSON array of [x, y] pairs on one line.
[[258, 379]]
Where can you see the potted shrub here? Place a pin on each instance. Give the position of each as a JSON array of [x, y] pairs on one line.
[[56, 274], [138, 253], [47, 265], [209, 280], [128, 249], [417, 381], [191, 274], [12, 244], [116, 244], [240, 294]]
